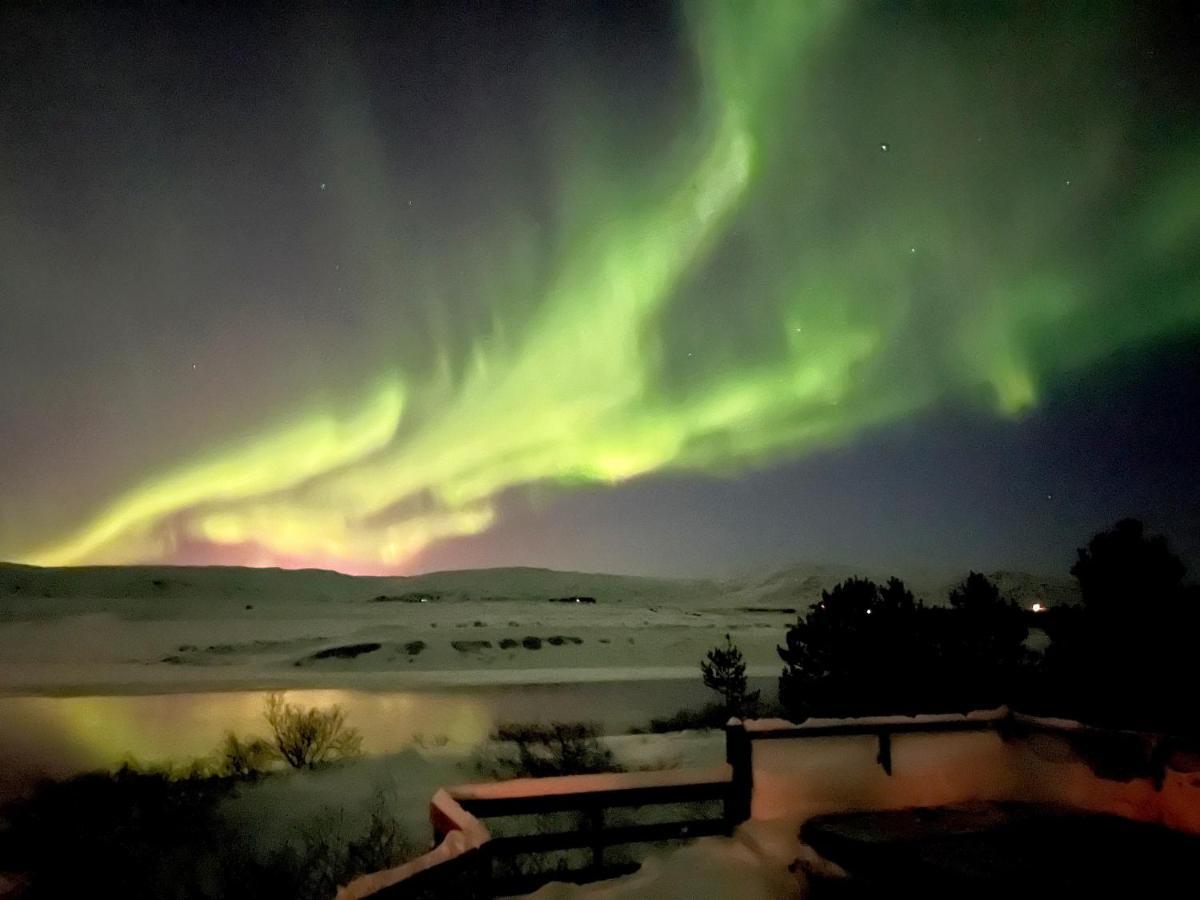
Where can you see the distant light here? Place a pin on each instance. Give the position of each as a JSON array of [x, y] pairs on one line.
[[868, 612], [883, 147], [1037, 607]]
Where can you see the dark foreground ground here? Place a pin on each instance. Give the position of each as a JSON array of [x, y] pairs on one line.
[[1003, 850]]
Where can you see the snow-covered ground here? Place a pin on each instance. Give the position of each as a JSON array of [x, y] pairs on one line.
[[278, 808], [158, 630], [90, 631], [90, 656], [761, 861], [97, 664]]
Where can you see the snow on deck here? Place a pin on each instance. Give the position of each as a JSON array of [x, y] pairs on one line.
[[565, 785], [868, 722]]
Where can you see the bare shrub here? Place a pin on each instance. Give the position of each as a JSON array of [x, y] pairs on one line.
[[244, 758], [312, 737], [328, 857], [556, 748]]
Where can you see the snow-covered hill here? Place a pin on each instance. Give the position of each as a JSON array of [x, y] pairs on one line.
[[795, 586], [161, 628]]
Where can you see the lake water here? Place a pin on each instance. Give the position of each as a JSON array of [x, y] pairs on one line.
[[57, 736]]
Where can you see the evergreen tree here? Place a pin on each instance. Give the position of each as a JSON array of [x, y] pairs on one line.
[[1124, 568], [1124, 658], [724, 671], [984, 650], [853, 653]]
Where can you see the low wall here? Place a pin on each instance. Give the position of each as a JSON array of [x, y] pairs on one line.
[[1051, 769], [797, 772], [803, 777]]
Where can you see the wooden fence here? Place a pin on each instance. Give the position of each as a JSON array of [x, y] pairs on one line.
[[463, 862]]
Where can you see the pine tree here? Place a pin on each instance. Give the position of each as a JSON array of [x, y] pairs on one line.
[[724, 671]]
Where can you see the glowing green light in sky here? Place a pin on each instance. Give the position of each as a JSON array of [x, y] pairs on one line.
[[275, 462], [810, 258]]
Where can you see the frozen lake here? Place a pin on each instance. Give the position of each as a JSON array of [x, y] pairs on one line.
[[58, 736]]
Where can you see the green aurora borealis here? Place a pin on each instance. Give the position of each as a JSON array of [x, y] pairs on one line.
[[834, 217]]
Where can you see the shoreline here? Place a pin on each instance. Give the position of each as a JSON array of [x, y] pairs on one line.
[[448, 680]]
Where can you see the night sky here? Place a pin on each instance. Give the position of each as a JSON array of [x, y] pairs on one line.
[[677, 288]]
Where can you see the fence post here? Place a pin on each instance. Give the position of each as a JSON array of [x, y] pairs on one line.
[[1160, 752], [739, 755], [884, 757], [596, 823]]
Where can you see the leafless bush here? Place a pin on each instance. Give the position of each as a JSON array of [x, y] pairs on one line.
[[244, 758], [556, 748], [312, 737]]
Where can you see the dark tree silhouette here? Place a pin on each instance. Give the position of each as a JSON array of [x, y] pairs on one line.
[[1125, 567], [871, 650], [975, 593], [895, 597], [859, 651], [984, 649], [1124, 659], [724, 671]]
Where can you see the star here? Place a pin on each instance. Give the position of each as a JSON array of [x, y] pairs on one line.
[[883, 147]]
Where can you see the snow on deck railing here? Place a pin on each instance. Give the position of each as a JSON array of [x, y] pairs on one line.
[[868, 724], [461, 832], [596, 783]]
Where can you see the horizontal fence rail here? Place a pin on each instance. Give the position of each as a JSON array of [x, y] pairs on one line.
[[520, 796], [462, 861], [592, 796]]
